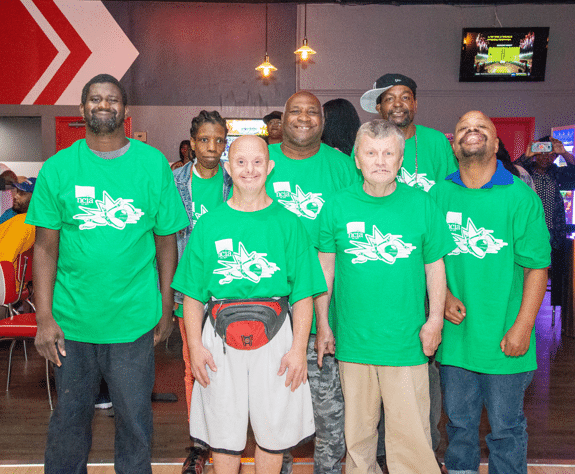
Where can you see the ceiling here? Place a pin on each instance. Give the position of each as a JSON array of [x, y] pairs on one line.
[[382, 2]]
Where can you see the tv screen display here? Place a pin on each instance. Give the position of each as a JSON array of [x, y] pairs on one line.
[[503, 54]]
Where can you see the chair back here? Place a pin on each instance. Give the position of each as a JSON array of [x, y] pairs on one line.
[[8, 292]]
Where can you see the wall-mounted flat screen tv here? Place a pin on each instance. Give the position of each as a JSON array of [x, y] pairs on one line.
[[503, 54]]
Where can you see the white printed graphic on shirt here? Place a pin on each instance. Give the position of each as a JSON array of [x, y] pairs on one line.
[[116, 213], [420, 181], [387, 248], [470, 239], [301, 204], [197, 215], [241, 264]]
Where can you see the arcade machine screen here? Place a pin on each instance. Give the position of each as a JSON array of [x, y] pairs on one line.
[[239, 127]]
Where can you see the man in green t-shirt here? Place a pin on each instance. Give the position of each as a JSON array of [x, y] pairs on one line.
[[382, 244], [106, 211], [428, 155], [427, 160], [496, 280], [245, 258], [307, 173]]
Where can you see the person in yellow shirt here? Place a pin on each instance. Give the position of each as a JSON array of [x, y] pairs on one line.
[[15, 235]]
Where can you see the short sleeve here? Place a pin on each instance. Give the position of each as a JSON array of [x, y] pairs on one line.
[[189, 277], [438, 240], [171, 215], [531, 246], [307, 277], [45, 208], [326, 242]]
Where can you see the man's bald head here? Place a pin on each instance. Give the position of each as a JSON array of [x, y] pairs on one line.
[[475, 138], [249, 163], [302, 121], [251, 141]]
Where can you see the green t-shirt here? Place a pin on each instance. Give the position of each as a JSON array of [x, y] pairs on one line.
[[498, 232], [206, 193], [107, 212], [435, 159], [303, 186], [261, 254], [381, 246]]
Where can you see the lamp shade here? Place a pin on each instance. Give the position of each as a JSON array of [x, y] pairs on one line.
[[266, 67]]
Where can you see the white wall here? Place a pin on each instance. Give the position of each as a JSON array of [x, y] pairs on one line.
[[358, 44]]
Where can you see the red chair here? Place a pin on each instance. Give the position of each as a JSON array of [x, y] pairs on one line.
[[17, 326], [16, 286]]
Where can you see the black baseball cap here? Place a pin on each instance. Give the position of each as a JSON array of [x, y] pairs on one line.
[[368, 100]]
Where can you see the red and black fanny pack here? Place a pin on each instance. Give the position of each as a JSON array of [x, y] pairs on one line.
[[247, 324]]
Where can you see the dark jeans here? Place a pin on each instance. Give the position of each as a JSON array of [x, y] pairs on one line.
[[128, 369], [464, 395]]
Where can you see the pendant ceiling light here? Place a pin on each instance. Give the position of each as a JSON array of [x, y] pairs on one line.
[[266, 68], [305, 51]]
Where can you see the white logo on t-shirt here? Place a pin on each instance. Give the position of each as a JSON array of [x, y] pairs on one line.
[[241, 264], [301, 204], [418, 181], [197, 215], [387, 248], [115, 213], [470, 239]]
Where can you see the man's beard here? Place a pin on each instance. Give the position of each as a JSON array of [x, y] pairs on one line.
[[103, 127], [406, 122]]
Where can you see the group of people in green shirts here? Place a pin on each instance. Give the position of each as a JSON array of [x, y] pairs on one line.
[[349, 273]]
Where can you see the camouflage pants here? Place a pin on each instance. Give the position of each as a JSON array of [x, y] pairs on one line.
[[434, 412], [327, 399]]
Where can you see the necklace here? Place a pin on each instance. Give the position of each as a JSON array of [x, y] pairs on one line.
[[415, 136]]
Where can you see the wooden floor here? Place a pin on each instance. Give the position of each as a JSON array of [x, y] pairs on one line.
[[24, 412], [304, 468]]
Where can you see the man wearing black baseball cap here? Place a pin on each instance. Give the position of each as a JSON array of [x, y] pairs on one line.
[[428, 155], [273, 122]]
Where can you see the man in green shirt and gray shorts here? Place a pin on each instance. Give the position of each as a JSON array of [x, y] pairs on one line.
[[251, 263]]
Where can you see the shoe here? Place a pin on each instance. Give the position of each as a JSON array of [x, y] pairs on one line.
[[196, 460], [103, 402]]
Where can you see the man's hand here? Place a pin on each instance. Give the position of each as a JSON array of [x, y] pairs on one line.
[[528, 152], [324, 343], [48, 336], [199, 358], [295, 362], [455, 311], [163, 329], [516, 341], [430, 336], [558, 147]]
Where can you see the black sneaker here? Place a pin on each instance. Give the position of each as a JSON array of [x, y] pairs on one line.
[[196, 460]]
